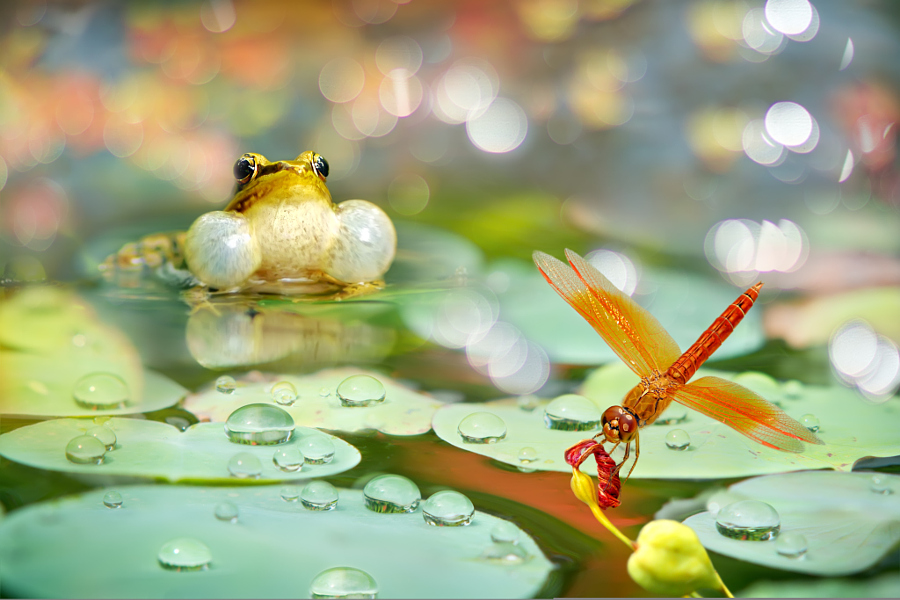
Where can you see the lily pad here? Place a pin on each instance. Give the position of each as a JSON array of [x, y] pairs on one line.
[[51, 339], [848, 526], [885, 586], [161, 451], [850, 427], [403, 411], [275, 548], [684, 304]]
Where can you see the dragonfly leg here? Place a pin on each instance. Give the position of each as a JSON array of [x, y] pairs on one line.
[[637, 454]]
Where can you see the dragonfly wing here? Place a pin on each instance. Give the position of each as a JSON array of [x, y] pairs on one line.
[[744, 411], [630, 330]]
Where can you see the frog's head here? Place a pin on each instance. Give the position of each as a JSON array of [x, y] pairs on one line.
[[258, 179]]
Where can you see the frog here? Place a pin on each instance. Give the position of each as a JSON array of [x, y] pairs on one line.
[[281, 232]]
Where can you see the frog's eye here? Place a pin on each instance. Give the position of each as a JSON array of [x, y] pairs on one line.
[[245, 168], [321, 166]]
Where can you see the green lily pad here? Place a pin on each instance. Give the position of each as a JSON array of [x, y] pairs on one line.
[[716, 450], [848, 526], [885, 586], [51, 339], [684, 304], [403, 411], [157, 450], [274, 550]]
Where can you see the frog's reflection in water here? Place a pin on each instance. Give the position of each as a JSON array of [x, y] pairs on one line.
[[233, 335]]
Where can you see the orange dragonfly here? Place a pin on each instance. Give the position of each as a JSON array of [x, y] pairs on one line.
[[638, 339]]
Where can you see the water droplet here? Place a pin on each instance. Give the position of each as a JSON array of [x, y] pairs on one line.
[[343, 582], [244, 465], [505, 532], [672, 415], [290, 493], [482, 428], [284, 393], [85, 450], [391, 494], [317, 449], [881, 484], [324, 392], [748, 520], [505, 553], [180, 423], [226, 511], [811, 422], [103, 391], [528, 455], [360, 390], [678, 439], [571, 412], [259, 424], [101, 420], [225, 384], [184, 554], [528, 403], [288, 459], [791, 544], [448, 509], [104, 434], [112, 499], [319, 495], [792, 389]]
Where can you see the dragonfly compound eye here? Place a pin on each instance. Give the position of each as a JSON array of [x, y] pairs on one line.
[[619, 425]]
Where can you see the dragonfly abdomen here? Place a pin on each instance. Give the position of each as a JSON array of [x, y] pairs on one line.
[[687, 364]]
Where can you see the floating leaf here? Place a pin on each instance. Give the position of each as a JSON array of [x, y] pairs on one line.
[[849, 527], [850, 427], [403, 411], [685, 305], [275, 548], [52, 340], [161, 451], [885, 586]]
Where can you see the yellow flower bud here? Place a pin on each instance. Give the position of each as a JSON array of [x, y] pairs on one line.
[[583, 488], [670, 560]]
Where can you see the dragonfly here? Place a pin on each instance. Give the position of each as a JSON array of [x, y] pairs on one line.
[[647, 348]]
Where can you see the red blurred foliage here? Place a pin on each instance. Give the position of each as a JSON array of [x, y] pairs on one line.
[[608, 483]]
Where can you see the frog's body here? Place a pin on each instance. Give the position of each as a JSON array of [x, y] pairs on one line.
[[281, 229]]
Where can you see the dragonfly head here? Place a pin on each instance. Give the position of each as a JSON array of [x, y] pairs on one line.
[[619, 425]]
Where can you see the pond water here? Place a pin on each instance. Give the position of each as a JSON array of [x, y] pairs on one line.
[[265, 445]]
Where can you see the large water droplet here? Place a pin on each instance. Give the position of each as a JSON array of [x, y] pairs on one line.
[[748, 520], [184, 554], [360, 390], [482, 428], [343, 582], [244, 465], [881, 484], [448, 509], [572, 412], [317, 449], [259, 424], [528, 455], [104, 435], [102, 391], [505, 532], [85, 450], [678, 439], [505, 553], [791, 544], [112, 499], [319, 495], [284, 393], [226, 511], [672, 415], [225, 384], [288, 459], [811, 422], [290, 493], [391, 494]]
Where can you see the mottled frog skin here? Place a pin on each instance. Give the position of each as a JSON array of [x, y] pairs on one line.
[[280, 232]]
